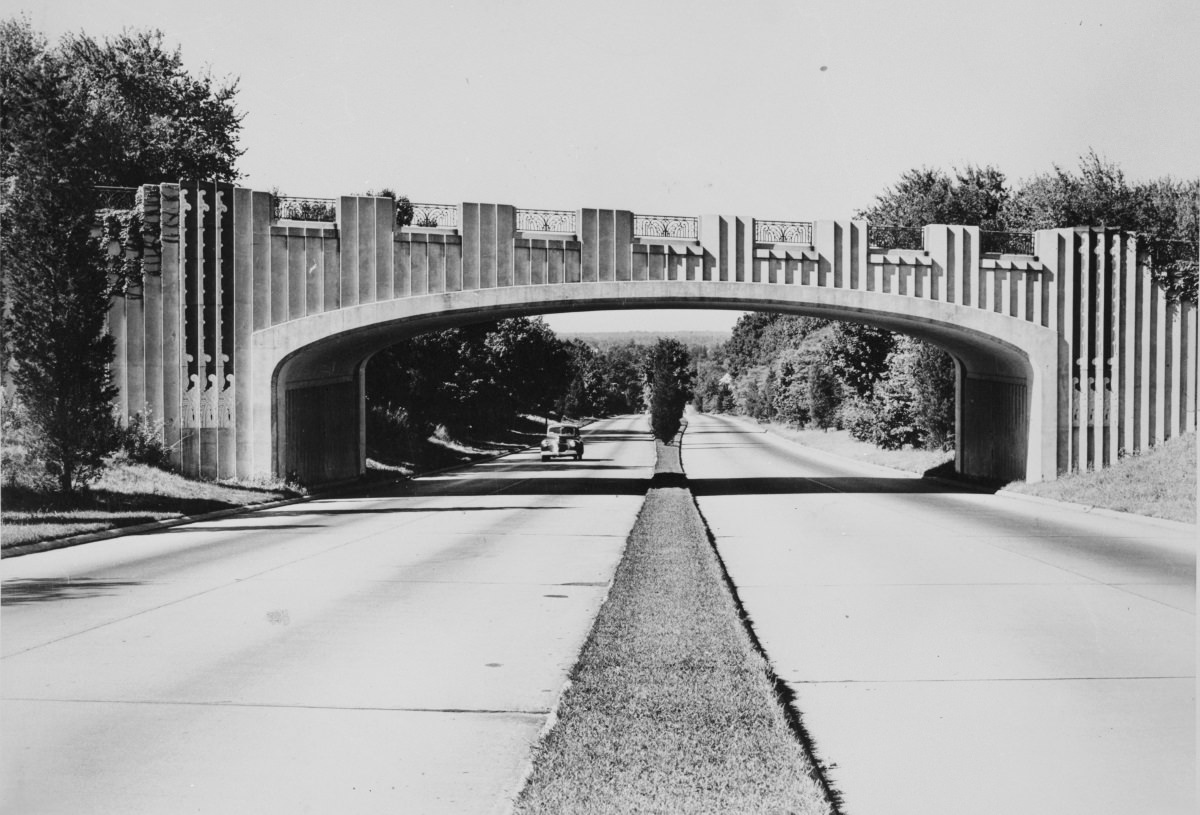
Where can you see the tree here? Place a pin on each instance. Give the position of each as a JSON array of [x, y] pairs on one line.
[[56, 288], [857, 354], [975, 196], [171, 124], [824, 396], [668, 372], [1163, 211]]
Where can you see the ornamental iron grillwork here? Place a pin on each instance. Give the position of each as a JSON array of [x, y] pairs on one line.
[[666, 226], [783, 232], [1006, 243], [304, 209], [444, 216], [546, 220], [895, 237], [117, 197]]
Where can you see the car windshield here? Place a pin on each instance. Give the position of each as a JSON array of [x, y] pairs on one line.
[[563, 430]]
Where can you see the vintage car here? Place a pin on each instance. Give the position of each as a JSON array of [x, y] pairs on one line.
[[562, 440]]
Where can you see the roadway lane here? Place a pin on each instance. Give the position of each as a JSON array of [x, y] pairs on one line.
[[398, 651], [960, 653]]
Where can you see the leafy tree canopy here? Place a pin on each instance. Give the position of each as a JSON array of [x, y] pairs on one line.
[[161, 122]]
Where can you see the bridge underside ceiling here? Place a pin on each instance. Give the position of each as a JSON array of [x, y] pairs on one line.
[[341, 355]]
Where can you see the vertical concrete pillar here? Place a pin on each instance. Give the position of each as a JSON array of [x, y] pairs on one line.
[[314, 272], [1159, 351], [385, 242], [728, 245], [280, 283], [1174, 417], [366, 234], [296, 239], [487, 244], [152, 354], [348, 233], [172, 305], [1190, 363], [606, 241], [1129, 345], [331, 270]]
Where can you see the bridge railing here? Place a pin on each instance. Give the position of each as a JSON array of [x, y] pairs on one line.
[[117, 197], [895, 237], [546, 220], [444, 216], [1006, 243], [783, 232], [666, 226], [287, 208]]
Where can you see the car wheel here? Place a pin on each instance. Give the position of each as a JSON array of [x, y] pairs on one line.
[[545, 458], [579, 455]]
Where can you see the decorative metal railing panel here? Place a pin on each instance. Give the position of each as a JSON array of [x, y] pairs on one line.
[[435, 215], [304, 209], [1006, 243], [895, 237], [117, 197], [546, 220], [783, 232], [666, 226]]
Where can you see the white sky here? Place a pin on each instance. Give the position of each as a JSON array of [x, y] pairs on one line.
[[792, 110]]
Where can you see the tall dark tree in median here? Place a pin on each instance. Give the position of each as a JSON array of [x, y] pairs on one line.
[[669, 374], [56, 286]]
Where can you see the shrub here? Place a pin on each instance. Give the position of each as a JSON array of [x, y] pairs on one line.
[[141, 441]]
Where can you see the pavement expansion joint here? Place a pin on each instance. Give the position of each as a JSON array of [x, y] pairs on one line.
[[986, 679], [283, 706]]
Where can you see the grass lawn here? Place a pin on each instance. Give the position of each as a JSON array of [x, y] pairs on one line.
[[840, 443], [1160, 482], [125, 495], [670, 708]]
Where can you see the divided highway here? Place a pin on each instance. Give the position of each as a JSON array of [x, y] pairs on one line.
[[954, 652], [397, 651]]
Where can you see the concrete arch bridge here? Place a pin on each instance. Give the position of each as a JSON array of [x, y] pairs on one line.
[[249, 331]]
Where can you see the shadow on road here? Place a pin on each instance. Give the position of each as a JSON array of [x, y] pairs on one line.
[[24, 592], [702, 487], [316, 509]]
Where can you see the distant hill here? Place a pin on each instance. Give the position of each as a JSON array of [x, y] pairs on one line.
[[607, 339]]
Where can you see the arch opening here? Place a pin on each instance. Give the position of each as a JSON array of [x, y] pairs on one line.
[[318, 388]]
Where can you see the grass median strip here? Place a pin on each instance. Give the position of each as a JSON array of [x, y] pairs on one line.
[[670, 707]]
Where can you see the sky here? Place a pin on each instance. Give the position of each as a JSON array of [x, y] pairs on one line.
[[781, 110]]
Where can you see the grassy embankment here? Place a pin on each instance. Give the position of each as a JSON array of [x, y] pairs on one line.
[[1160, 483], [671, 708], [125, 495]]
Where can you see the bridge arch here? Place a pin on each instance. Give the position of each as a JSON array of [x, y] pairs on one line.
[[1067, 353]]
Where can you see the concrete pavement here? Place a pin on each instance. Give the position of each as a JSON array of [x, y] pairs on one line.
[[392, 652], [955, 652]]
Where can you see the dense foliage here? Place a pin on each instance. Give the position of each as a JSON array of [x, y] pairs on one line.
[[669, 375], [474, 382], [56, 287], [1164, 211], [74, 116]]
